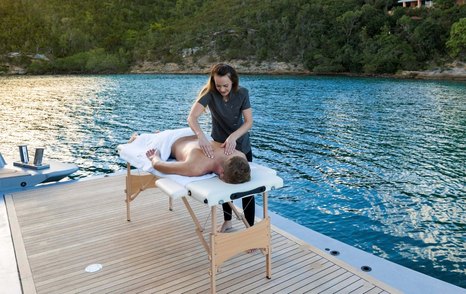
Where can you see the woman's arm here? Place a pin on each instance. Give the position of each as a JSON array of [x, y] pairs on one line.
[[230, 142], [196, 110]]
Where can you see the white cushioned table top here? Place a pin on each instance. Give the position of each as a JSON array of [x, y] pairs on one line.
[[214, 191]]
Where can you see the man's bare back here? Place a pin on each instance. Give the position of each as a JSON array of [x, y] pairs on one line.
[[190, 159], [185, 147]]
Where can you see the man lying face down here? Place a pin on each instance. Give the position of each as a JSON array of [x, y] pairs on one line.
[[191, 161]]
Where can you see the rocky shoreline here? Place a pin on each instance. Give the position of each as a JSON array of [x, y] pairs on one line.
[[202, 66], [453, 71]]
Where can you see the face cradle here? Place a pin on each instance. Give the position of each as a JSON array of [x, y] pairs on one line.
[[223, 84]]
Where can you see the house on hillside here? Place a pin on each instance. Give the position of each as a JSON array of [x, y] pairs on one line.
[[415, 3], [426, 3]]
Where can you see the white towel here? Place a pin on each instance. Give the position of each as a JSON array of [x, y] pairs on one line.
[[135, 152]]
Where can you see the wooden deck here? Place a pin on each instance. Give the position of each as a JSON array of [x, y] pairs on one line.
[[59, 230]]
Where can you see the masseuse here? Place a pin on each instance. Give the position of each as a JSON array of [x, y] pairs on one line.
[[231, 120]]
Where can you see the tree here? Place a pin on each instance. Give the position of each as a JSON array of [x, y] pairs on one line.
[[429, 39], [457, 41], [387, 53], [322, 35], [349, 22]]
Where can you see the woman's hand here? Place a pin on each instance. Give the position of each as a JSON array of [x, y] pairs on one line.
[[229, 145], [206, 146]]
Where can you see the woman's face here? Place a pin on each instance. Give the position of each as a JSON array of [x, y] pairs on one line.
[[223, 84]]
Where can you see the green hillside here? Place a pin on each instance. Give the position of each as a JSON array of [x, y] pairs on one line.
[[323, 36]]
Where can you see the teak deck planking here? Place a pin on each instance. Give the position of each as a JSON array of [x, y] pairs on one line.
[[59, 230]]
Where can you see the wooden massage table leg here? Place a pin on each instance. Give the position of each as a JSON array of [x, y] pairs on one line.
[[210, 249], [135, 184], [239, 215], [199, 228], [213, 264], [224, 246], [268, 256], [243, 218]]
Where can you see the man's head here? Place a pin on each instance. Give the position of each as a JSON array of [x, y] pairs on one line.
[[236, 170]]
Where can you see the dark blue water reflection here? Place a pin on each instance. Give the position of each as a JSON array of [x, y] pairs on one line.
[[375, 163]]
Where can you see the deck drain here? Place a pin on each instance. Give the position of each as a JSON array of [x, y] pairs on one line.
[[92, 268], [335, 252], [366, 268]]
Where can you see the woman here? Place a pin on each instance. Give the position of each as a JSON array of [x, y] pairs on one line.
[[231, 120]]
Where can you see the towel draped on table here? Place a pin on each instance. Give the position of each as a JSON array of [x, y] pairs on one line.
[[135, 152]]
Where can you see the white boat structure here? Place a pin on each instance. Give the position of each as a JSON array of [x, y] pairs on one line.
[[21, 176], [73, 237]]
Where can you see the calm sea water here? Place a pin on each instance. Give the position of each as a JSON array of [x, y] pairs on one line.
[[379, 164]]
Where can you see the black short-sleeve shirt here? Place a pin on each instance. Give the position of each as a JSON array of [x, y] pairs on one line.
[[227, 117]]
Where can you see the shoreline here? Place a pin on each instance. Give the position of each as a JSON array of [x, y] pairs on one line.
[[455, 71]]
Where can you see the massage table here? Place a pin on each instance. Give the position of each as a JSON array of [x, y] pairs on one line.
[[213, 192], [210, 191]]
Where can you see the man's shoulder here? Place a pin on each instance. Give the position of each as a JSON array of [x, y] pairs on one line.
[[198, 162]]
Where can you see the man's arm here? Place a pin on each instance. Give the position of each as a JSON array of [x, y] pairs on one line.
[[184, 168]]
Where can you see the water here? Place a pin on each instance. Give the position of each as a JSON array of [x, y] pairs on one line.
[[376, 163]]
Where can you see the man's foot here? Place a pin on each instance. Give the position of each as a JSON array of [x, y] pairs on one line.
[[133, 137], [226, 226]]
